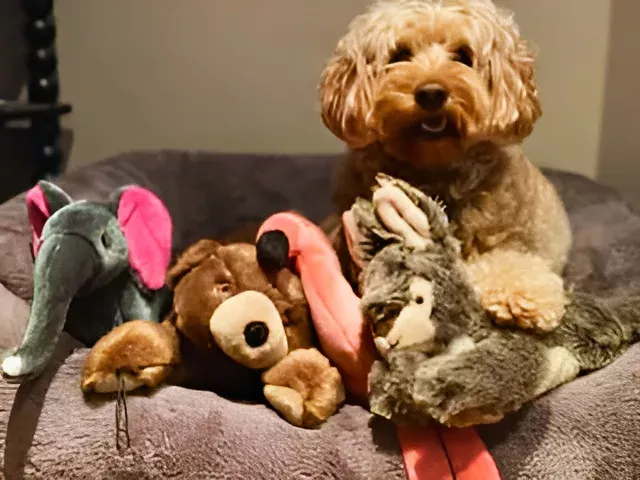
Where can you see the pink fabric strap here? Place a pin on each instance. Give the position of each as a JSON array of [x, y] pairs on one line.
[[434, 453]]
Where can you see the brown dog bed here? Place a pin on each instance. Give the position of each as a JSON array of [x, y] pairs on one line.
[[588, 429]]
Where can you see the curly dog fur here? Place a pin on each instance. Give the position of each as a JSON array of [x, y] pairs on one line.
[[441, 93]]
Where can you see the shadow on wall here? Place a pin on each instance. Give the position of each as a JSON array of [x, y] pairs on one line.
[[12, 66], [619, 164]]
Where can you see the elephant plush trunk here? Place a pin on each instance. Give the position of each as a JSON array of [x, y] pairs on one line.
[[64, 264]]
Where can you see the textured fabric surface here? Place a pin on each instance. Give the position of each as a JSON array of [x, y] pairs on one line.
[[176, 433], [589, 429], [207, 195]]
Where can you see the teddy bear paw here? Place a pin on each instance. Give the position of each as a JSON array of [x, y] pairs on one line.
[[304, 388], [135, 354], [112, 381]]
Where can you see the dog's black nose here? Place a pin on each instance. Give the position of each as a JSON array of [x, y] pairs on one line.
[[431, 96]]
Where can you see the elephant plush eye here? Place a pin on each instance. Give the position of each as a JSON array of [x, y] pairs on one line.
[[105, 240]]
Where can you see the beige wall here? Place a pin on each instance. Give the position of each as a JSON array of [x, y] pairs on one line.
[[226, 75], [572, 37], [241, 75]]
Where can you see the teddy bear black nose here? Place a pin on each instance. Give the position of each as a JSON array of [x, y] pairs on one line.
[[256, 334]]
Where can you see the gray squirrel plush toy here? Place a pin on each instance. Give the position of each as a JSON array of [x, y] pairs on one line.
[[111, 256], [443, 358]]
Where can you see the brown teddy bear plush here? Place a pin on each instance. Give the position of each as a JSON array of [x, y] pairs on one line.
[[239, 329]]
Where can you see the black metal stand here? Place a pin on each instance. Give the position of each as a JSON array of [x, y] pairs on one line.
[[43, 88]]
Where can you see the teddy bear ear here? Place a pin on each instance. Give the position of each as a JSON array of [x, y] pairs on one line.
[[272, 249], [191, 258]]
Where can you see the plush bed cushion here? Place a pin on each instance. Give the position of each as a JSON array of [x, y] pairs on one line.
[[589, 429]]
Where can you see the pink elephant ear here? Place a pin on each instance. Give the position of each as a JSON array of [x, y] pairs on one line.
[[38, 212], [147, 227], [43, 200]]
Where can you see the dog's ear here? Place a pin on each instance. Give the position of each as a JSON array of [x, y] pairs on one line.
[[515, 103], [191, 258], [346, 98]]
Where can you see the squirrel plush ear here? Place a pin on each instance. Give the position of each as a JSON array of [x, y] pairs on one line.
[[190, 258], [43, 200], [147, 227], [365, 234]]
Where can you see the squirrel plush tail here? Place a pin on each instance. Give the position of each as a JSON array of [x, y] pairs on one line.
[[626, 310]]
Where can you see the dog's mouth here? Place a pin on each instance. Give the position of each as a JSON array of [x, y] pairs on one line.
[[434, 127]]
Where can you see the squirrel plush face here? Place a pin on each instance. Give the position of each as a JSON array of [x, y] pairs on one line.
[[409, 300], [416, 294], [225, 305]]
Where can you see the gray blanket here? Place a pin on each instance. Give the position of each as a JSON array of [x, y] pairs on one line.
[[589, 429]]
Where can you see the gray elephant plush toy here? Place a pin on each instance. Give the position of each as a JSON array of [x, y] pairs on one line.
[[443, 358], [112, 256]]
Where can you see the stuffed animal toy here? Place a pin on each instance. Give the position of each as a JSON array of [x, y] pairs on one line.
[[238, 326], [443, 357], [429, 452], [114, 255]]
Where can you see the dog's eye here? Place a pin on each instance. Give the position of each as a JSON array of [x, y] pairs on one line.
[[402, 54], [464, 56]]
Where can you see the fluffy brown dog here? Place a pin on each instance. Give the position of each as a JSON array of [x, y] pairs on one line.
[[233, 328], [441, 93]]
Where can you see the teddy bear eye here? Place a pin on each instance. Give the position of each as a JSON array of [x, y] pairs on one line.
[[463, 55], [224, 288], [402, 54]]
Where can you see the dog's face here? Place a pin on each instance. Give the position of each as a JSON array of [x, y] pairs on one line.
[[428, 79]]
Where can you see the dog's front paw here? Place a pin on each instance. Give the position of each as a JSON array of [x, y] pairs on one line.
[[529, 310], [133, 355], [304, 388], [519, 289]]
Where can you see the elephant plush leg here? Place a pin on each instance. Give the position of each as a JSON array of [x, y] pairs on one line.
[[136, 354], [490, 379]]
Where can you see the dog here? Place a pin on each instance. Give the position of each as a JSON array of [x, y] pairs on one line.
[[441, 93]]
